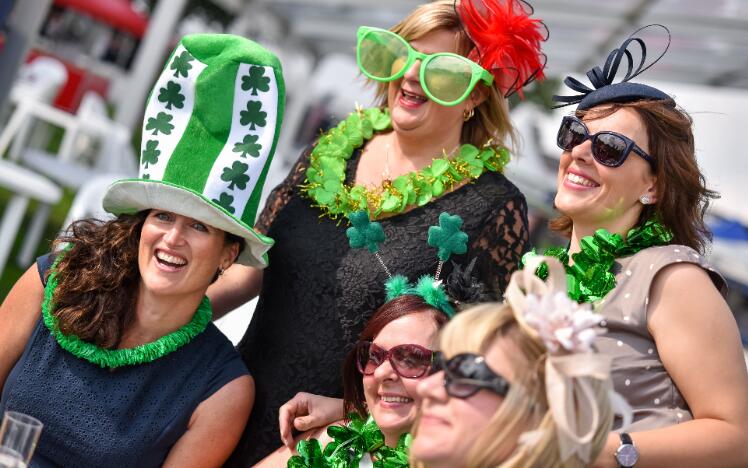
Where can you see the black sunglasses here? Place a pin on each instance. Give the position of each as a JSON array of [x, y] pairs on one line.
[[467, 373], [608, 148]]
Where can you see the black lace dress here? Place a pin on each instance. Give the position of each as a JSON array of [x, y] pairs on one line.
[[318, 293]]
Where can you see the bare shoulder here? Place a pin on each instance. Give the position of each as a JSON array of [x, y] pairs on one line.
[[19, 313], [215, 426]]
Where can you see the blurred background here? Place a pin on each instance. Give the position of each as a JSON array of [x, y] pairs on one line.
[[74, 76]]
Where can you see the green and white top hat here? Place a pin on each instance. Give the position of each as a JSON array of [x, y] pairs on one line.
[[210, 129]]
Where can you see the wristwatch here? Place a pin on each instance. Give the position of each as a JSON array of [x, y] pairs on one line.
[[626, 455]]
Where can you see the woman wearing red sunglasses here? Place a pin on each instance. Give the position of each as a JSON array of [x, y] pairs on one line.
[[380, 375], [632, 200], [437, 141]]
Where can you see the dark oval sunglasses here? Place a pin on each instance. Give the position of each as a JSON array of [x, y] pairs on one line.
[[410, 361], [608, 148], [467, 373]]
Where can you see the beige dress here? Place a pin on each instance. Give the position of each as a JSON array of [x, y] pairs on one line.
[[638, 373]]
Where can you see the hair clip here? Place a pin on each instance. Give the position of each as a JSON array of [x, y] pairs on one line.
[[507, 41]]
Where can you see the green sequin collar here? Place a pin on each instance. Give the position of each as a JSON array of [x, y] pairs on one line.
[[349, 445], [325, 177], [589, 279], [113, 358]]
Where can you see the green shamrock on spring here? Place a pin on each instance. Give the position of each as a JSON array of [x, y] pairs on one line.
[[448, 237], [363, 232]]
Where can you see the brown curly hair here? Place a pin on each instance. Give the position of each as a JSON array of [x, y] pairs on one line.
[[98, 277], [682, 195]]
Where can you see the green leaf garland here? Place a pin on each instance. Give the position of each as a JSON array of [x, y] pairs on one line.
[[590, 278], [349, 445], [325, 177], [113, 358]]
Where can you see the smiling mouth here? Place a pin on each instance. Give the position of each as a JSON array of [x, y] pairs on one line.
[[395, 399], [171, 261], [412, 98], [581, 180]]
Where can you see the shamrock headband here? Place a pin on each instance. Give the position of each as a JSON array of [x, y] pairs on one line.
[[446, 237], [507, 41], [605, 90]]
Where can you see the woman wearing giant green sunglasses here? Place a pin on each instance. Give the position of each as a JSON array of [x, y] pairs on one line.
[[405, 161]]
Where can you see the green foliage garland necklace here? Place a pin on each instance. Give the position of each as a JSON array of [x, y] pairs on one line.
[[325, 177], [590, 278], [349, 445], [113, 358]]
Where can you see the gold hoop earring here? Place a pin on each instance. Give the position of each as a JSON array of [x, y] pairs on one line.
[[468, 114]]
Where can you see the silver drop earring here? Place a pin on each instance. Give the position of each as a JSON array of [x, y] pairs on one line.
[[645, 200]]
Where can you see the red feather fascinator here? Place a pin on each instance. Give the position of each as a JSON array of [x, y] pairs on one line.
[[507, 41]]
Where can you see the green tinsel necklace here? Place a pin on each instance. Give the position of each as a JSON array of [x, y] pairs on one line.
[[590, 278], [113, 358], [325, 177], [349, 445]]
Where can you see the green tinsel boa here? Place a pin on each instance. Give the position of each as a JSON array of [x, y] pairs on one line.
[[349, 445], [325, 177], [113, 358], [589, 279]]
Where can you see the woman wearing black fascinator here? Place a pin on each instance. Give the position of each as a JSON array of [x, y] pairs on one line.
[[632, 201]]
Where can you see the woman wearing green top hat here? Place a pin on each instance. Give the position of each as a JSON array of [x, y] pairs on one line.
[[435, 144], [123, 365], [632, 200]]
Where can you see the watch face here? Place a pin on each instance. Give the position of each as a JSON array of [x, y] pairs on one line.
[[627, 455]]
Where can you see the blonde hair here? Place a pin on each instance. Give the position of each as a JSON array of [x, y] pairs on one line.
[[525, 407], [490, 125]]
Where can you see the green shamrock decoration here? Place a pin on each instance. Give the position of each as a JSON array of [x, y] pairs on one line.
[[172, 95], [448, 237], [254, 115], [225, 201], [310, 455], [363, 232], [256, 80], [150, 153], [248, 146], [236, 174], [181, 64], [160, 123]]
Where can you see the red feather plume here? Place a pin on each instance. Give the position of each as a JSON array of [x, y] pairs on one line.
[[507, 41]]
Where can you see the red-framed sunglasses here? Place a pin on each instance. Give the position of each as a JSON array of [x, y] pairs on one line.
[[410, 361]]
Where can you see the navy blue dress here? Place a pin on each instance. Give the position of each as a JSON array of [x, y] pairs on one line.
[[128, 416]]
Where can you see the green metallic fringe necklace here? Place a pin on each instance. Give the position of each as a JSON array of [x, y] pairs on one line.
[[590, 278], [349, 445], [113, 358], [325, 177]]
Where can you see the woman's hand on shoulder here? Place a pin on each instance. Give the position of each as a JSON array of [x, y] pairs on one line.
[[699, 343], [19, 313], [306, 411], [215, 426]]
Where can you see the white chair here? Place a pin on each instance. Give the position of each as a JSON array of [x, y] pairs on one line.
[[115, 155], [25, 185]]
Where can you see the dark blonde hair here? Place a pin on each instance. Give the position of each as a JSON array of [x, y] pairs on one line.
[[491, 123], [525, 407], [682, 195]]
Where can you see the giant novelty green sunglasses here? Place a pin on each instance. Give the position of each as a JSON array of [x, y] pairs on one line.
[[446, 78]]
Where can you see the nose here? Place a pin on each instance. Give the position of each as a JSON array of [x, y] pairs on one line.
[[583, 151], [432, 387], [385, 372], [413, 73], [174, 235]]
